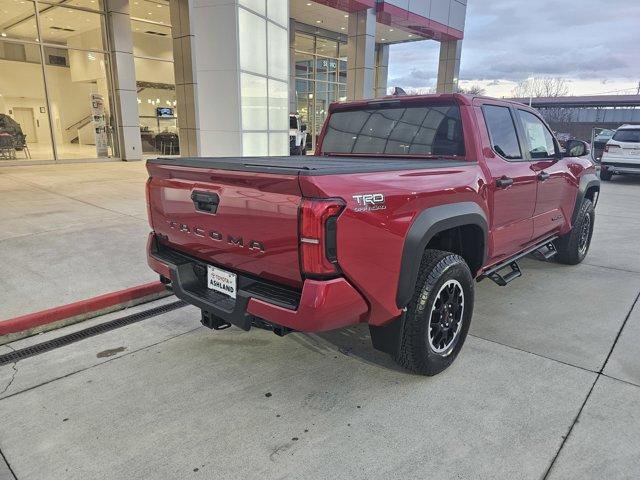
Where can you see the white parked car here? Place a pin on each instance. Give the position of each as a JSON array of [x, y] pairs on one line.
[[621, 153], [297, 135]]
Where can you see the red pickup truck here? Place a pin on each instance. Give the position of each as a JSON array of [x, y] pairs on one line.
[[405, 203]]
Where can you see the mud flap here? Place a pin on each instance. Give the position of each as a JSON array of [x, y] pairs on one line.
[[387, 338]]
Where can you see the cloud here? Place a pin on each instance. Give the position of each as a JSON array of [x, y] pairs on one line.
[[510, 40]]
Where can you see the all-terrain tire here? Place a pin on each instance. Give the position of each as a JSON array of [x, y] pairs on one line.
[[420, 350], [574, 246]]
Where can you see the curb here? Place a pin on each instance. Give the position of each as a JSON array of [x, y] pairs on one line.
[[37, 322]]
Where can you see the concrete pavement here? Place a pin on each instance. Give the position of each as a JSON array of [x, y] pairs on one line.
[[547, 385], [70, 232]]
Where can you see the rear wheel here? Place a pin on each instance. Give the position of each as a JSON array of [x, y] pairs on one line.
[[573, 247], [438, 316]]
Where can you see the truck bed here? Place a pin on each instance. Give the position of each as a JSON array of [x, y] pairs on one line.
[[308, 165]]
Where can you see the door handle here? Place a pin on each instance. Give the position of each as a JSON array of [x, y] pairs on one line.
[[504, 182], [205, 202], [542, 176]]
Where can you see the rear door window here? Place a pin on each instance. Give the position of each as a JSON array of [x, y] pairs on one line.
[[538, 136], [502, 131], [627, 135], [415, 131]]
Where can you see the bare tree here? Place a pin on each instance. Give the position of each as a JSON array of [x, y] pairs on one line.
[[472, 90], [541, 87]]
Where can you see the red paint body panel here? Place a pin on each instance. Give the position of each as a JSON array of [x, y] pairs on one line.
[[324, 305], [256, 207], [264, 207]]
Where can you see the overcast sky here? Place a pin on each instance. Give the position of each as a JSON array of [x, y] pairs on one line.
[[594, 44]]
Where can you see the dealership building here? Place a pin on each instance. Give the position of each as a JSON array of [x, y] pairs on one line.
[[123, 79]]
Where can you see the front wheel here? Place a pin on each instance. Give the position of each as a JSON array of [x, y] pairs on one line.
[[438, 316], [573, 247]]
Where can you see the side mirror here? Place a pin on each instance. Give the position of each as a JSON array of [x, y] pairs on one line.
[[303, 128], [576, 148]]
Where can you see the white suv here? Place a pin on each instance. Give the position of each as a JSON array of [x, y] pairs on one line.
[[622, 152]]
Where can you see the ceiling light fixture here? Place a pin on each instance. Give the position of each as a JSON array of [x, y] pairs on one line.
[[391, 29], [383, 39], [3, 34], [318, 21]]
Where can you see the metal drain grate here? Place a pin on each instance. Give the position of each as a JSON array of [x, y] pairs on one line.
[[88, 332]]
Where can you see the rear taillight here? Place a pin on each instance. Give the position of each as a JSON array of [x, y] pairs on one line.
[[318, 251], [608, 148]]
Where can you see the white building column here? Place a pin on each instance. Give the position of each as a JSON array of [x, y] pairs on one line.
[[449, 66], [361, 45], [231, 61], [293, 101], [125, 101], [382, 70]]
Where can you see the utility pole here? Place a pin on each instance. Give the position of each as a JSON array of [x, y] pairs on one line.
[[638, 92]]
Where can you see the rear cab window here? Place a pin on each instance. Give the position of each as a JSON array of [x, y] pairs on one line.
[[420, 131], [502, 131], [629, 135]]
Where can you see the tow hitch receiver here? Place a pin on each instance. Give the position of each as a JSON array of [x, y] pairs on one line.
[[209, 320]]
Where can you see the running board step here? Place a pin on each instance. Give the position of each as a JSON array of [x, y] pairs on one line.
[[546, 249], [547, 252], [503, 280]]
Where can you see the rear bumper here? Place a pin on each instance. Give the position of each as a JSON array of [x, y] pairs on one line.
[[321, 304], [620, 167]]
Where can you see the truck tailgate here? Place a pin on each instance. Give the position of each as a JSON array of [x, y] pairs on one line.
[[244, 221]]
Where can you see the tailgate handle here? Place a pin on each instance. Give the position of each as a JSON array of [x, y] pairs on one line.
[[205, 202]]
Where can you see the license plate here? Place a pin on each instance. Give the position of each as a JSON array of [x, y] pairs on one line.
[[222, 281]]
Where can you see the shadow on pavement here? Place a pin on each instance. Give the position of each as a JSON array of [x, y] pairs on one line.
[[353, 341]]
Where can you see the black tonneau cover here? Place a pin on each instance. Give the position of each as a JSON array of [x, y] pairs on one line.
[[308, 165]]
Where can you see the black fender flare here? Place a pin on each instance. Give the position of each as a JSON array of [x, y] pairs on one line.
[[587, 181], [427, 224]]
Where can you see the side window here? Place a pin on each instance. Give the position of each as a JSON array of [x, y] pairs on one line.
[[541, 144], [502, 131]]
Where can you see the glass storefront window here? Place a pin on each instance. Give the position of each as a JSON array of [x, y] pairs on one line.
[[24, 120], [71, 28], [155, 81], [151, 11], [18, 20], [304, 65], [89, 4], [327, 48], [79, 100], [304, 43], [321, 77], [57, 98]]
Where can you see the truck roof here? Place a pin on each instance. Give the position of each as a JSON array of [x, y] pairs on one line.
[[459, 98]]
